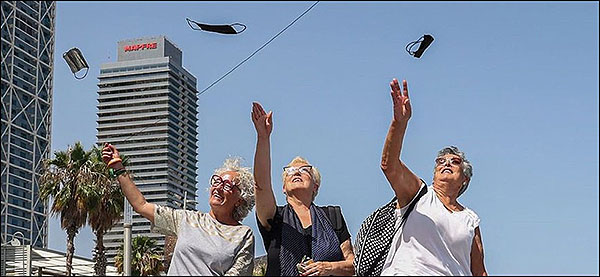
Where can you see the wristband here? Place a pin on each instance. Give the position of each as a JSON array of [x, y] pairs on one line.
[[115, 173], [115, 160]]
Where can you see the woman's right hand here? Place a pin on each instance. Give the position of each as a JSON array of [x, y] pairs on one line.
[[263, 122], [110, 156], [402, 108]]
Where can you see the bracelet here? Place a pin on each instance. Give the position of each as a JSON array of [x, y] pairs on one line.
[[115, 160], [115, 173]]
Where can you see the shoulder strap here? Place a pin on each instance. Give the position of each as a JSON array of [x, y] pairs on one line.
[[422, 192], [334, 213]]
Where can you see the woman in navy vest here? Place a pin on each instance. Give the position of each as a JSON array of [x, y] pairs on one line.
[[300, 238]]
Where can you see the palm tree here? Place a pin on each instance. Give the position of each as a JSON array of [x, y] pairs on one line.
[[260, 266], [146, 257], [70, 181], [107, 208]]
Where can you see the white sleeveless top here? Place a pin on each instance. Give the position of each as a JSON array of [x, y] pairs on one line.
[[433, 240]]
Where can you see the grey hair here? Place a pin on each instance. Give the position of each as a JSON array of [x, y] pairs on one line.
[[466, 166], [245, 184]]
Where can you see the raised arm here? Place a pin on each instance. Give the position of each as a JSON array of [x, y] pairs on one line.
[[263, 191], [110, 155], [404, 182]]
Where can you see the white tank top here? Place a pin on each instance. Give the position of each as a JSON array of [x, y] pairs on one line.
[[433, 240]]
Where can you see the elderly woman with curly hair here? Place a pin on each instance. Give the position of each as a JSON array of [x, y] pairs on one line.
[[213, 243], [300, 228]]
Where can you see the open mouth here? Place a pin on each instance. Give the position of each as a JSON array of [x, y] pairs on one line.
[[447, 170], [217, 195], [296, 179]]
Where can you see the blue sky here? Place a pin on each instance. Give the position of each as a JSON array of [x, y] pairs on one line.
[[514, 85]]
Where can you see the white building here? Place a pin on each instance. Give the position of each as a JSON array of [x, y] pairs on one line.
[[147, 109], [27, 260]]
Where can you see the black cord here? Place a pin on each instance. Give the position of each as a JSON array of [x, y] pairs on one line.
[[410, 45], [238, 24], [191, 26]]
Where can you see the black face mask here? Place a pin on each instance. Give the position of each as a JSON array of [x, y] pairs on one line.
[[424, 42], [221, 29], [76, 61]]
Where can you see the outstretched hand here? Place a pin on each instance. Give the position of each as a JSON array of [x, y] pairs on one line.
[[110, 156], [402, 109], [263, 122]]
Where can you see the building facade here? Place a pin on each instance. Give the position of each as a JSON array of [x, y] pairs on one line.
[[147, 108], [27, 31]]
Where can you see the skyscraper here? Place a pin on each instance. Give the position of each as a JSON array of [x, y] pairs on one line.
[[147, 109], [27, 29]]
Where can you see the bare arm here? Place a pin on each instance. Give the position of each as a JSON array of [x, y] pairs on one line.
[[263, 191], [477, 266], [132, 193], [403, 181], [341, 268]]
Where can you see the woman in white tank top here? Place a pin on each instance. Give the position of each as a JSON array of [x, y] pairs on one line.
[[440, 236]]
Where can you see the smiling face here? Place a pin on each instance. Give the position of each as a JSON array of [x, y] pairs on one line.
[[448, 168], [224, 192]]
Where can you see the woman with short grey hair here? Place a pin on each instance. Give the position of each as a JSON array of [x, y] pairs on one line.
[[301, 238], [208, 244], [466, 166], [440, 231]]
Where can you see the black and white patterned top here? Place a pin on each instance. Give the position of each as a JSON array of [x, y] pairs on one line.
[[375, 237]]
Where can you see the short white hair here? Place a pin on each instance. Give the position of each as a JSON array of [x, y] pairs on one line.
[[315, 174], [245, 182]]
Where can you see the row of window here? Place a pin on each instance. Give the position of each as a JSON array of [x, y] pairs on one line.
[[180, 142], [16, 160], [176, 87], [131, 83], [157, 119], [183, 130], [13, 229], [149, 92], [21, 188], [132, 68], [19, 202], [131, 77], [28, 7], [18, 212], [131, 105], [24, 31]]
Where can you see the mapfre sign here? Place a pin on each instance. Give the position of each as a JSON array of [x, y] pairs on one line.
[[143, 46]]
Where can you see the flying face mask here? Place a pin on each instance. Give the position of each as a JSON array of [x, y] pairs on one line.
[[221, 29]]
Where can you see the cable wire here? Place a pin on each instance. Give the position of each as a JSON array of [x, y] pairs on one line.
[[260, 48], [238, 65]]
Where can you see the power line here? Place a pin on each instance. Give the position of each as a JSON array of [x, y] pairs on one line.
[[260, 48], [239, 64]]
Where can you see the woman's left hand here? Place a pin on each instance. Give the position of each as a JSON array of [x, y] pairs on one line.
[[318, 269]]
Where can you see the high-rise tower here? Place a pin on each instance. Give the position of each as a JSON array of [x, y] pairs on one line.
[[27, 29], [147, 109]]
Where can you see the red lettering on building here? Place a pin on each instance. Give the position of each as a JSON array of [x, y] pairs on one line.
[[136, 47]]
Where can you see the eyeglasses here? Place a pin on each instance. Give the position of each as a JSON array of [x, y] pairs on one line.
[[289, 170], [453, 161], [228, 185]]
